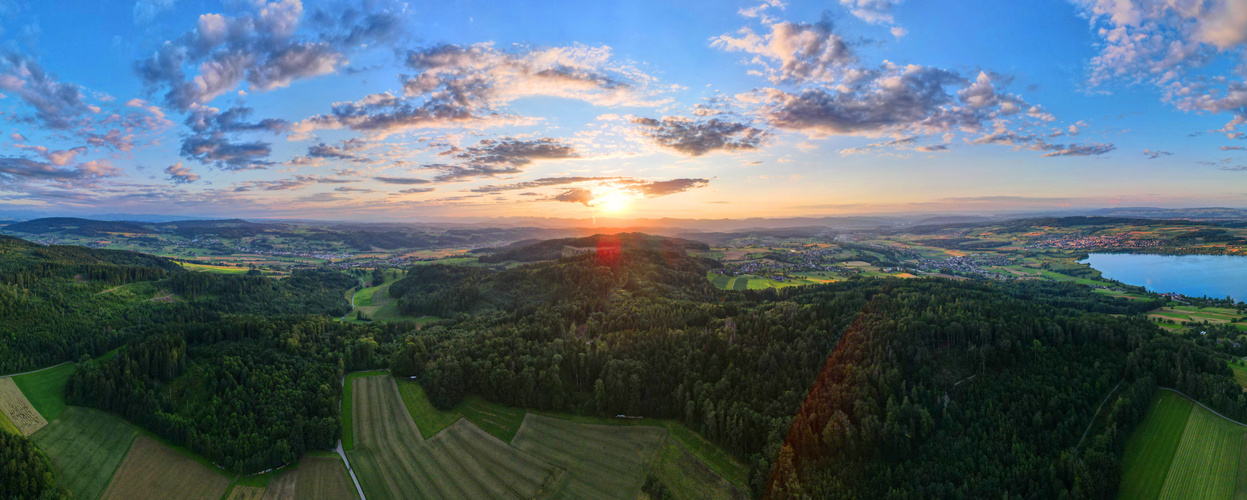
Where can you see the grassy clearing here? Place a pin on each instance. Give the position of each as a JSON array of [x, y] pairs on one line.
[[713, 456], [686, 476], [501, 421], [211, 268], [153, 470], [498, 420], [85, 447], [740, 284], [348, 439], [602, 461], [428, 418], [17, 410], [45, 389], [1151, 448], [392, 460], [7, 426], [376, 303], [316, 477], [1240, 375], [1206, 463]]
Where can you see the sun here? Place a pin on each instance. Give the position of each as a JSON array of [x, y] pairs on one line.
[[612, 202]]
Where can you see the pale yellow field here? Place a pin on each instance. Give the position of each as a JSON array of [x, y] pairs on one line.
[[314, 478], [15, 406], [246, 493], [153, 470]]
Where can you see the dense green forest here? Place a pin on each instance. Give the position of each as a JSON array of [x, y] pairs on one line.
[[25, 471], [866, 388], [59, 303]]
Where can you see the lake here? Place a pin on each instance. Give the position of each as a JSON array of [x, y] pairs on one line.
[[1192, 275]]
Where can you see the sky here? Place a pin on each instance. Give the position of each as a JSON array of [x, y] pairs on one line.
[[641, 109]]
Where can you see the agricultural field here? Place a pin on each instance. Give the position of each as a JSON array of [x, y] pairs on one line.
[[7, 426], [375, 302], [85, 447], [348, 441], [17, 410], [153, 470], [392, 459], [315, 477], [1206, 464], [429, 420], [1182, 450], [246, 493], [602, 461], [1214, 315], [45, 389], [211, 268], [499, 420], [1240, 374], [740, 283], [686, 476]]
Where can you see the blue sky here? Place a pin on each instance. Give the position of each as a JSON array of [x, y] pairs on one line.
[[401, 111]]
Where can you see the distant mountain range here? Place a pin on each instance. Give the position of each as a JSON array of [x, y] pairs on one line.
[[667, 226]]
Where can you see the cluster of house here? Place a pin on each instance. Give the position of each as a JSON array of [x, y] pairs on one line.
[[970, 264], [1082, 242]]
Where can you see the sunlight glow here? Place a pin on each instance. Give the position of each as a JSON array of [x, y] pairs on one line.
[[612, 202]]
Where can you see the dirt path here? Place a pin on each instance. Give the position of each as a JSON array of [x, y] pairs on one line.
[[110, 290]]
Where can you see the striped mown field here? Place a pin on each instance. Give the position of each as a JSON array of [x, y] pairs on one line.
[[1182, 450], [152, 470], [1150, 449], [602, 461], [392, 460], [1206, 464], [246, 493], [18, 409], [316, 477], [85, 447]]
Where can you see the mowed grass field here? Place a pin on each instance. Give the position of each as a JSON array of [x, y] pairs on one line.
[[212, 268], [392, 459], [153, 470], [375, 302], [85, 447], [348, 438], [685, 476], [602, 461], [1182, 450], [499, 420], [45, 389], [17, 410], [316, 477], [1206, 464]]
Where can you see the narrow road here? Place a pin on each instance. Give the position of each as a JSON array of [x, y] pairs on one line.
[[348, 313], [39, 370], [1097, 414], [342, 454]]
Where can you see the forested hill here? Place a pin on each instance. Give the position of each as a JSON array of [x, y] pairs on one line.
[[23, 262], [58, 303], [868, 388], [654, 267], [73, 225], [554, 249]]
